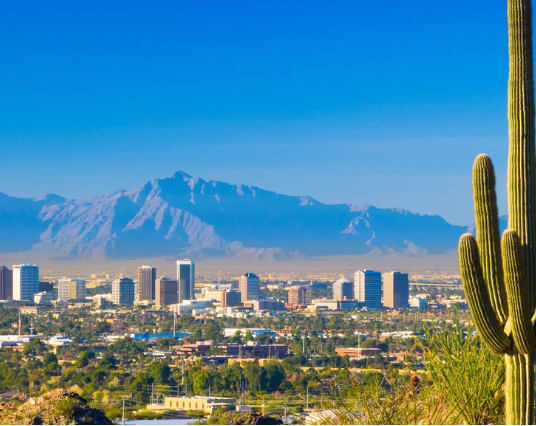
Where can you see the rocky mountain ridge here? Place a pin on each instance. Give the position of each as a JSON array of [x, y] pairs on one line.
[[186, 216]]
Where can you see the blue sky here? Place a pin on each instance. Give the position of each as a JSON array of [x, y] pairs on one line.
[[384, 102]]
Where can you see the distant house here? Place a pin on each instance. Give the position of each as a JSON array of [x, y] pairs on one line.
[[8, 396]]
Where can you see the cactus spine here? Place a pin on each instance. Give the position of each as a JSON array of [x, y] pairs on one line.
[[499, 277]]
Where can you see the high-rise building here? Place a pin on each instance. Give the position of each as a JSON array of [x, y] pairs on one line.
[[368, 288], [25, 281], [146, 283], [123, 292], [343, 289], [395, 290], [249, 286], [299, 295], [6, 283], [186, 279], [166, 291], [230, 298], [71, 289]]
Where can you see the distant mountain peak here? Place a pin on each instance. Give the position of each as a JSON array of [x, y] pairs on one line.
[[180, 174], [183, 215], [50, 197]]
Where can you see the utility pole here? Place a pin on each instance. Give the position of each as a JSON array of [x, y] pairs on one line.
[[152, 393], [123, 420], [307, 408]]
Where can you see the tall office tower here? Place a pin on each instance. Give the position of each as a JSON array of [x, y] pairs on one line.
[[71, 289], [343, 289], [249, 286], [146, 283], [395, 290], [25, 281], [166, 291], [186, 279], [6, 283], [123, 291], [299, 295], [368, 288], [230, 298]]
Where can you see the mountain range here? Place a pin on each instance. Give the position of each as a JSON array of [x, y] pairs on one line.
[[186, 216]]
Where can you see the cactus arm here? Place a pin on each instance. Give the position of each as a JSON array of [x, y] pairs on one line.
[[488, 234], [521, 155], [516, 289], [487, 324]]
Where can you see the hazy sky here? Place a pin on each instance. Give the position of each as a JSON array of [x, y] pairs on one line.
[[384, 102]]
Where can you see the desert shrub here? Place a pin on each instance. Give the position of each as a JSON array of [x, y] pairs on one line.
[[67, 407], [378, 399], [466, 373]]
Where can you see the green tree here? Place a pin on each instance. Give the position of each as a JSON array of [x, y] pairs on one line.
[[159, 372], [201, 382], [252, 373], [34, 347], [272, 376]]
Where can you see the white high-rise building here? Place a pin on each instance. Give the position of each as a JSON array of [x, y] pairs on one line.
[[25, 281], [71, 289], [186, 279], [368, 288], [123, 291], [343, 289]]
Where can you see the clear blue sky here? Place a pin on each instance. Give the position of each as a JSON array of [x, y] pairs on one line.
[[384, 102]]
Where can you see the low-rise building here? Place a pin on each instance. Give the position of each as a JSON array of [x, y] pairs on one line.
[[257, 351], [417, 302], [334, 305], [188, 306], [264, 305], [357, 352], [31, 310], [44, 298], [207, 404], [196, 348]]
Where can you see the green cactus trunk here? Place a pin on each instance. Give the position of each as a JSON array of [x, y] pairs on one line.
[[499, 277], [519, 389]]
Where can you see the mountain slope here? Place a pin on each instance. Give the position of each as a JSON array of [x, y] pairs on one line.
[[182, 215]]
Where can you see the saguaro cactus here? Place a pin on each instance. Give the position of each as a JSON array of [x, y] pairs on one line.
[[499, 277]]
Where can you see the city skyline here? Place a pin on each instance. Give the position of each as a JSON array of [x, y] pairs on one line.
[[342, 109]]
